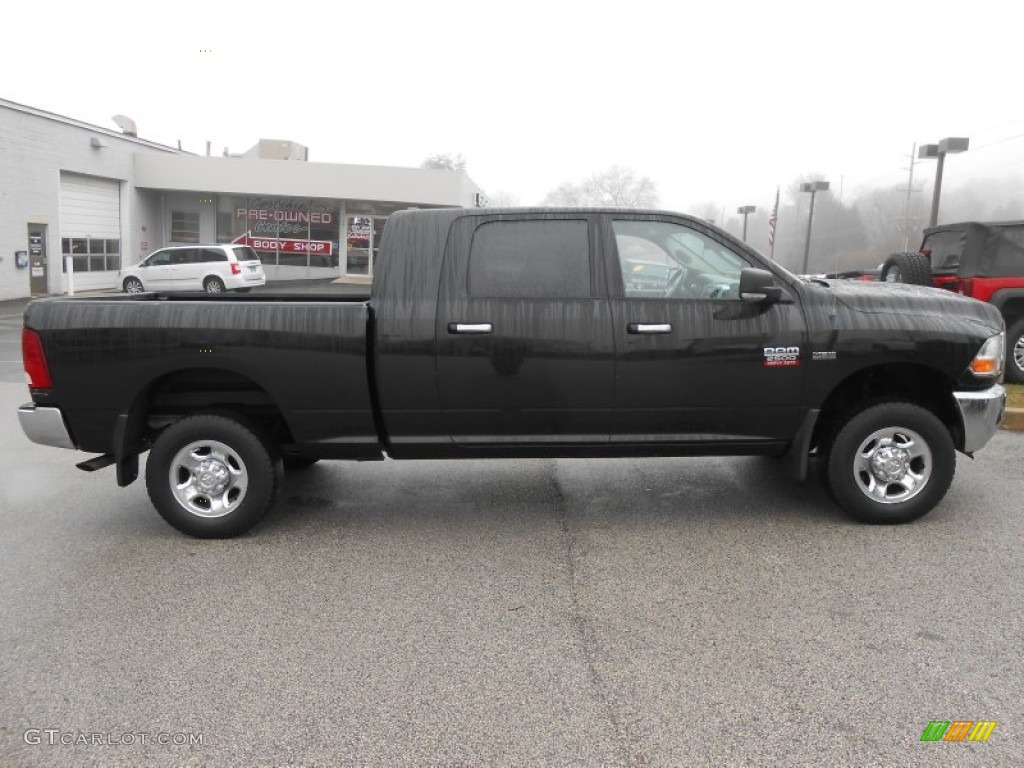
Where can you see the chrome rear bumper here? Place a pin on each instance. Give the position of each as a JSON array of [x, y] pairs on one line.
[[981, 413], [45, 425]]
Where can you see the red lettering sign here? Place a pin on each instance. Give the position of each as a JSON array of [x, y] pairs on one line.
[[321, 247]]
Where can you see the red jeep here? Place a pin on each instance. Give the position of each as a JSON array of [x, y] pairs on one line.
[[983, 261]]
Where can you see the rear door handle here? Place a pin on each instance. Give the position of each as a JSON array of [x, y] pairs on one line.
[[470, 328], [649, 328]]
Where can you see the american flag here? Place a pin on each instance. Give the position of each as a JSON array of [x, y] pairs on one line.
[[772, 219]]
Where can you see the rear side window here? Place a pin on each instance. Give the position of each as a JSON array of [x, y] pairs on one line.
[[1010, 251], [212, 254], [946, 249], [539, 259]]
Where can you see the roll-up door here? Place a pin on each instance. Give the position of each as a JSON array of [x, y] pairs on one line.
[[90, 222]]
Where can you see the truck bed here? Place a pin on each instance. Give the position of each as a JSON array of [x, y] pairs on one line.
[[304, 354]]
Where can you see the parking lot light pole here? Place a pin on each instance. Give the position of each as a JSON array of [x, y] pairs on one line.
[[746, 210], [951, 145], [813, 187]]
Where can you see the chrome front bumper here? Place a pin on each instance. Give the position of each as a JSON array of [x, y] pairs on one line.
[[45, 426], [981, 413]]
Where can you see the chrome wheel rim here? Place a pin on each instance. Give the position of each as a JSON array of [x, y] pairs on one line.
[[134, 286], [208, 478], [893, 275], [1018, 353], [892, 465], [214, 287]]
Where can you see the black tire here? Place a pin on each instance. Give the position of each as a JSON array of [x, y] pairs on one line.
[[904, 440], [1015, 352], [132, 285], [213, 285], [911, 268], [211, 477], [294, 462]]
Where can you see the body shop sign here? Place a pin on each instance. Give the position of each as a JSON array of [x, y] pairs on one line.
[[283, 245]]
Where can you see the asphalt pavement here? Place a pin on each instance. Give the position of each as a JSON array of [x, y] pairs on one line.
[[660, 612]]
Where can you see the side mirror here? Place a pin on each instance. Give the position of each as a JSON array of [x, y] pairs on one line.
[[757, 286]]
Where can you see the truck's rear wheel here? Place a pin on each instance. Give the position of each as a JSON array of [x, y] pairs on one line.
[[211, 476], [912, 268], [1015, 352], [891, 463]]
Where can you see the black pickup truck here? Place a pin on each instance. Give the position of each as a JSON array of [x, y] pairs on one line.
[[523, 332]]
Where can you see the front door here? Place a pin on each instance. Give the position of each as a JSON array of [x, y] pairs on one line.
[[38, 267], [523, 332], [694, 363]]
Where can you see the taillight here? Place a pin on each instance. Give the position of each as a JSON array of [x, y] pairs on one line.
[[236, 268], [35, 361]]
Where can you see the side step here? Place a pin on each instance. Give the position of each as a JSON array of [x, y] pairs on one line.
[[97, 462]]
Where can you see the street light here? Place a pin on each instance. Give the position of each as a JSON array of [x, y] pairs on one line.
[[940, 150], [746, 210], [813, 187]]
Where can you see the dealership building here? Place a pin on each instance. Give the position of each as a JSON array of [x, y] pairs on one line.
[[78, 202]]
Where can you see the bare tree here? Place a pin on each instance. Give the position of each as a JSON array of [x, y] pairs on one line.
[[503, 199], [708, 211], [616, 187], [444, 162]]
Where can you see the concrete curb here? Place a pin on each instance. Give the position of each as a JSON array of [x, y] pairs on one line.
[[1014, 419]]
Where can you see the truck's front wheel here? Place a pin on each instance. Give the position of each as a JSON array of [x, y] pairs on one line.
[[891, 463], [211, 477]]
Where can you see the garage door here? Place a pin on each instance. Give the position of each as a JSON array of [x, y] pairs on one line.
[[90, 222]]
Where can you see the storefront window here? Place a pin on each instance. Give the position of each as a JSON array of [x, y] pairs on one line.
[[285, 232], [359, 231]]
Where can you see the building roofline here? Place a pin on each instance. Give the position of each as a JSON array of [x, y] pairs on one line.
[[35, 111]]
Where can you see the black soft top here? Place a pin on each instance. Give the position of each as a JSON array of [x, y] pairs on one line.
[[977, 249]]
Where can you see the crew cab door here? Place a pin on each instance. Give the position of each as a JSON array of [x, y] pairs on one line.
[[524, 342], [694, 362]]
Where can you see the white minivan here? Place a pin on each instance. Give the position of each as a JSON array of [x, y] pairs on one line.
[[210, 268]]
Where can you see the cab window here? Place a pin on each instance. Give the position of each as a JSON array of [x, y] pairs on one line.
[[664, 260], [530, 259]]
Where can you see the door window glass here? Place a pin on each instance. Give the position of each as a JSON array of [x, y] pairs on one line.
[[663, 260], [530, 259]]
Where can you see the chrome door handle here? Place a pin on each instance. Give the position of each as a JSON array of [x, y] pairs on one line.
[[470, 328], [649, 328]]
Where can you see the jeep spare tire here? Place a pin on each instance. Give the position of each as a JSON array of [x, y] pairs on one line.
[[911, 268]]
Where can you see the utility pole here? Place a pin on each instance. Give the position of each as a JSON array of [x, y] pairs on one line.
[[906, 206]]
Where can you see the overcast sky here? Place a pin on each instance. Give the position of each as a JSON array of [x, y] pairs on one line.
[[717, 102]]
